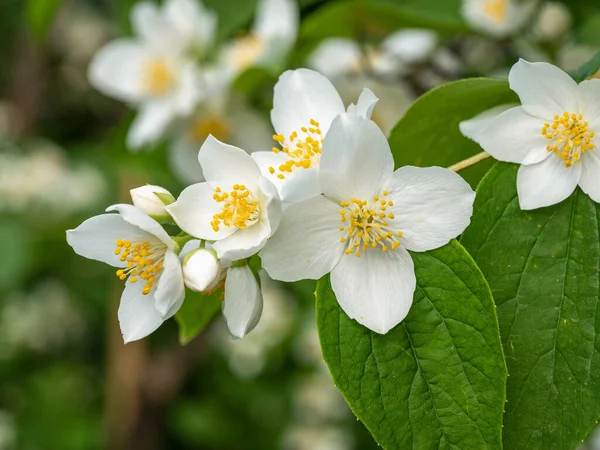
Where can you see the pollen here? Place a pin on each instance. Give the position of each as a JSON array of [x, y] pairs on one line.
[[201, 128], [158, 77], [364, 225], [302, 149], [569, 137], [144, 262], [497, 10], [239, 208]]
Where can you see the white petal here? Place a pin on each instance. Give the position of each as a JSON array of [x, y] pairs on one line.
[[141, 220], [244, 242], [170, 290], [590, 174], [356, 159], [118, 70], [517, 15], [96, 237], [137, 315], [431, 206], [514, 136], [243, 302], [544, 89], [307, 243], [188, 92], [150, 123], [589, 102], [546, 183], [182, 156], [196, 24], [365, 105], [221, 163], [194, 211], [299, 185], [270, 204], [376, 289], [277, 21], [336, 56], [478, 125], [411, 45], [301, 95]]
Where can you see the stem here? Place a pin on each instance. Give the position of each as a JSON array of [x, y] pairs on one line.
[[469, 162]]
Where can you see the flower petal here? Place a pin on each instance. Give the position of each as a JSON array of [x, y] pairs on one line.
[[365, 104], [546, 183], [170, 290], [96, 238], [277, 21], [431, 206], [150, 123], [356, 158], [544, 89], [118, 69], [411, 45], [590, 174], [222, 162], [137, 315], [476, 126], [244, 242], [376, 289], [194, 210], [513, 136], [270, 204], [336, 56], [243, 302], [589, 103], [137, 217], [195, 24], [301, 95], [307, 243]]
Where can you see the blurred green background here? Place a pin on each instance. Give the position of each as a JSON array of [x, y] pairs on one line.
[[66, 379]]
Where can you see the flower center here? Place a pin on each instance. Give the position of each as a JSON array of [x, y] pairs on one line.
[[569, 137], [497, 10], [202, 128], [158, 77], [302, 149], [365, 225], [239, 209], [144, 261], [246, 51]]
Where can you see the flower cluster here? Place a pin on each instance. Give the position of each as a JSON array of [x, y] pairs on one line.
[[325, 199]]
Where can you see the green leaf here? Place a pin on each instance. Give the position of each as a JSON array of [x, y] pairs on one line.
[[437, 379], [428, 134], [543, 268], [233, 14], [40, 15], [17, 252], [195, 314], [589, 69]]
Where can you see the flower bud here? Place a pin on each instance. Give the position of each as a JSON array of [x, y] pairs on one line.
[[554, 20], [201, 269], [152, 199]]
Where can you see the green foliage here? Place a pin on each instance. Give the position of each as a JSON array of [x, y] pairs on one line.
[[196, 313], [587, 70], [542, 267], [17, 249], [233, 14], [428, 133], [437, 379], [40, 15]]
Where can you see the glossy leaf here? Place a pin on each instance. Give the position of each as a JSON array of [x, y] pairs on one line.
[[428, 133], [587, 70], [543, 269], [196, 313], [437, 379]]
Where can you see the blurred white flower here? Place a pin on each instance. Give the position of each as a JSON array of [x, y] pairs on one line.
[[552, 22], [155, 71], [498, 18], [331, 437], [317, 400], [270, 39]]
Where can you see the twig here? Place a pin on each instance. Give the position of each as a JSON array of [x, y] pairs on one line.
[[469, 162]]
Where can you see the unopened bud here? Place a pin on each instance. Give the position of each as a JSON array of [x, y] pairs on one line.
[[201, 270], [152, 200], [554, 20]]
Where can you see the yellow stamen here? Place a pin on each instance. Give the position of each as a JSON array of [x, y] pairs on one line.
[[569, 137], [239, 208]]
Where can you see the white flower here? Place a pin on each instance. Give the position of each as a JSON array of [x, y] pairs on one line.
[[236, 207], [243, 301], [146, 258], [341, 56], [498, 18], [363, 225], [553, 21], [552, 134], [153, 70], [201, 269], [151, 199], [304, 105], [271, 37]]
